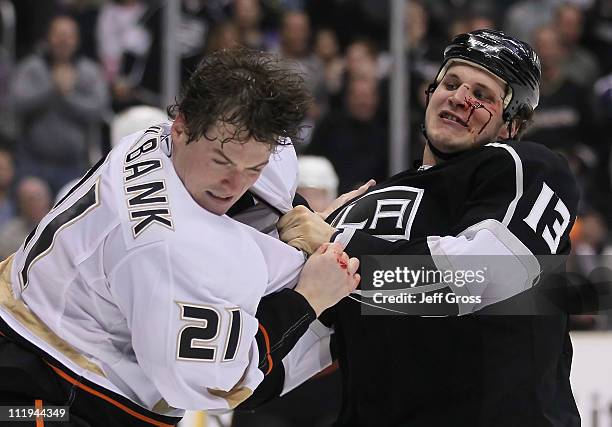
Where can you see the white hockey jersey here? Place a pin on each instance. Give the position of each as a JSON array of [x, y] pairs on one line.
[[138, 289]]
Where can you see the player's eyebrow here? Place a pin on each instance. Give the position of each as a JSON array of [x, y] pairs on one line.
[[222, 154], [451, 75], [483, 86], [488, 89]]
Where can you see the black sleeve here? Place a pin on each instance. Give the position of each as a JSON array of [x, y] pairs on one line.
[[283, 318], [300, 200]]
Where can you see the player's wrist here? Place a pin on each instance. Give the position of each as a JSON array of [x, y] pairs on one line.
[[312, 299]]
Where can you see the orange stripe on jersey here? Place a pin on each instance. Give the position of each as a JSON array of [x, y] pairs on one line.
[[267, 341], [108, 399], [40, 421]]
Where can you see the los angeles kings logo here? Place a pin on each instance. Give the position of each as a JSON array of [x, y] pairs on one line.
[[387, 213]]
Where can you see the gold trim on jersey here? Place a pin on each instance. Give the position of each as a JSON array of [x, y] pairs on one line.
[[162, 407], [234, 397], [20, 311]]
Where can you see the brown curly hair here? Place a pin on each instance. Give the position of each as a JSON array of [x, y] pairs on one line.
[[250, 90]]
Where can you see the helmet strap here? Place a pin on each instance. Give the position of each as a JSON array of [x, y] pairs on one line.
[[439, 154], [506, 117], [430, 89]]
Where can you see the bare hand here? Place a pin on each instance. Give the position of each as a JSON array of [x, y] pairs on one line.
[[328, 276], [64, 77], [340, 201], [304, 229]]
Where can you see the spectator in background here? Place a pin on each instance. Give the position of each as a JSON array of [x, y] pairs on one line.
[[580, 65], [424, 56], [33, 203], [524, 17], [85, 13], [124, 46], [295, 48], [317, 181], [354, 139], [119, 29], [7, 175], [360, 62], [59, 98], [560, 121], [564, 119], [327, 50], [224, 35], [247, 16], [295, 35]]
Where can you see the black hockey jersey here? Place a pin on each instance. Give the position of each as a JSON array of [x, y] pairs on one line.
[[516, 199]]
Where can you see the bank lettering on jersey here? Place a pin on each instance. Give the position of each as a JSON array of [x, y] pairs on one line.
[[147, 201], [389, 212]]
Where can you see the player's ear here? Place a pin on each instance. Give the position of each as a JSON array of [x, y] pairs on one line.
[[507, 131], [179, 127]]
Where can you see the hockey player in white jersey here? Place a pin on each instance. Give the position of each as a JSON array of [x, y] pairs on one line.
[[136, 297]]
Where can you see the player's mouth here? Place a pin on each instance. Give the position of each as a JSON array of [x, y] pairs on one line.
[[450, 117], [220, 199]]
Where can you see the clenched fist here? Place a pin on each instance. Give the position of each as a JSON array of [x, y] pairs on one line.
[[304, 229], [307, 230], [328, 276]]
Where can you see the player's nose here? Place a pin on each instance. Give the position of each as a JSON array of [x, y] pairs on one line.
[[459, 96], [233, 181]]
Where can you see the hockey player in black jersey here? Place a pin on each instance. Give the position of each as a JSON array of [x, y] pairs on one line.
[[480, 192]]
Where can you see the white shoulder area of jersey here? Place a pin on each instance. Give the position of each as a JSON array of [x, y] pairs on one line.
[[278, 181], [146, 191]]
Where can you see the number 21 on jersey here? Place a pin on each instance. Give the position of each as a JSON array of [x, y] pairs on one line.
[[195, 340]]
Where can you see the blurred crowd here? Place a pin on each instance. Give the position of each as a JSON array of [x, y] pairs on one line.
[[81, 67]]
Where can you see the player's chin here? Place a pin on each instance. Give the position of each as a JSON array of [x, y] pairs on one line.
[[217, 205], [446, 143], [449, 139]]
